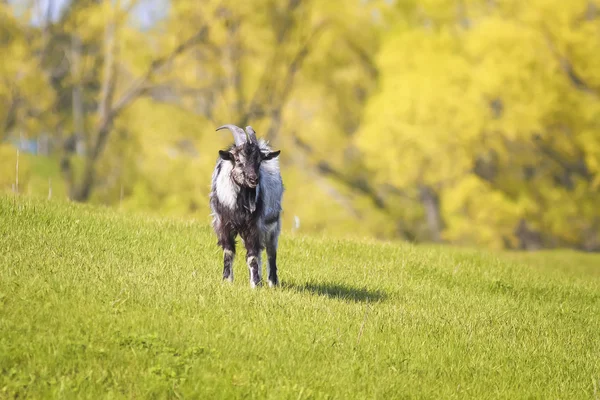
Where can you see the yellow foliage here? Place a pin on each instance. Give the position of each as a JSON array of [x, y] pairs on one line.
[[478, 119], [472, 110]]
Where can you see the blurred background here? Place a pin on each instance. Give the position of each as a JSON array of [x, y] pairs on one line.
[[471, 122]]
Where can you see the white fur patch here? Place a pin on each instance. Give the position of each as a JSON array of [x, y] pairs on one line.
[[226, 189], [249, 261]]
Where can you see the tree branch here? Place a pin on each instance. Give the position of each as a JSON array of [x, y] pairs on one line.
[[76, 91], [108, 113], [364, 58], [109, 76], [567, 66], [139, 87], [298, 59], [235, 53], [280, 100], [11, 117], [141, 84], [326, 186], [355, 183], [578, 168], [266, 88]]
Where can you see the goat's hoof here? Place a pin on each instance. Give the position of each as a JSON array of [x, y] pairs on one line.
[[255, 284], [273, 283], [228, 279]]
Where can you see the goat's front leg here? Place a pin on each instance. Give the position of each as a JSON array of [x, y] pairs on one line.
[[253, 250], [227, 242]]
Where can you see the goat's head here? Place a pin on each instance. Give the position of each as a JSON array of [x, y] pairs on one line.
[[246, 156]]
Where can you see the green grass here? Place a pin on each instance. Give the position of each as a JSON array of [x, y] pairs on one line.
[[96, 304]]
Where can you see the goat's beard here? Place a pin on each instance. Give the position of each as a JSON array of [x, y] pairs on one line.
[[242, 182], [250, 197], [249, 194]]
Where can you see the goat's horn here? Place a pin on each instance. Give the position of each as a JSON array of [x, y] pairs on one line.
[[239, 136], [251, 134]]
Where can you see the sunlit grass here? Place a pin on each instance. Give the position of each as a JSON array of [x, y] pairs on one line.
[[95, 304]]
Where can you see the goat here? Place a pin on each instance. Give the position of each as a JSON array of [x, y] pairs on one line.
[[245, 199]]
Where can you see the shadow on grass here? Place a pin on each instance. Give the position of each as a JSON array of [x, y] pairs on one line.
[[337, 291]]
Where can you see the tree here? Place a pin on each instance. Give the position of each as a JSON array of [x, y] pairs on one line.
[[496, 115], [300, 72], [24, 92], [89, 57]]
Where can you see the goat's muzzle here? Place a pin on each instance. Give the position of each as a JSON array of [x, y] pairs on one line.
[[252, 182]]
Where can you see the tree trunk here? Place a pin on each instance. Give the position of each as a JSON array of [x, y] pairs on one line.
[[83, 190], [431, 203], [528, 238]]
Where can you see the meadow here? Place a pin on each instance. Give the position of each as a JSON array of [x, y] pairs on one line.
[[96, 303]]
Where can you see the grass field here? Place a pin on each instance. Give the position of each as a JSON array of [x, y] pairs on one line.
[[97, 304]]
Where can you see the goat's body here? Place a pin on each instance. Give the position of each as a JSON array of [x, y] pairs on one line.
[[252, 213]]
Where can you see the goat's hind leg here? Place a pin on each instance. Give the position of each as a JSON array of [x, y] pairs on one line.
[[272, 240]]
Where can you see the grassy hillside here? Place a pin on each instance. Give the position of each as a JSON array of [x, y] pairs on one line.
[[98, 304]]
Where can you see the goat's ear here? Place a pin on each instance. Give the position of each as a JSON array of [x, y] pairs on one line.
[[225, 155], [271, 155]]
